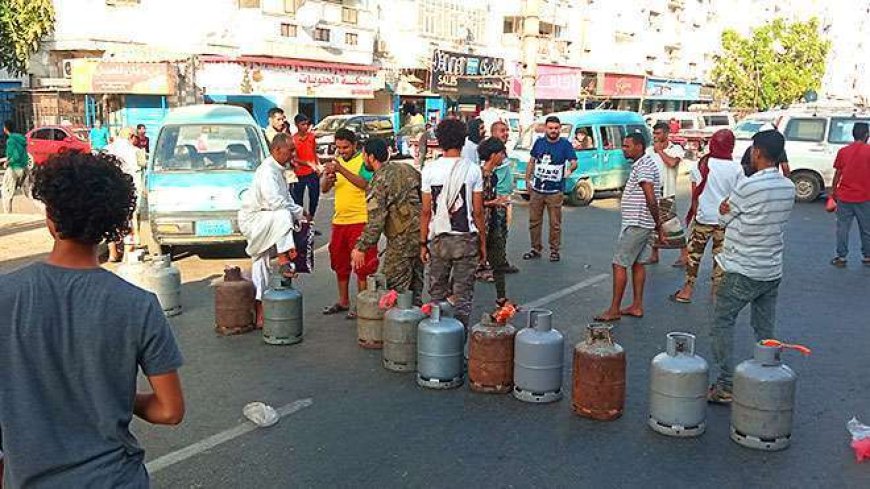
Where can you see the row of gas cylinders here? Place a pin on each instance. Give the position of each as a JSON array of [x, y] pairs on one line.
[[529, 362], [156, 275]]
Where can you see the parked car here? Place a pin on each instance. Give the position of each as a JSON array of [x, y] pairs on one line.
[[812, 139], [45, 141], [365, 126], [602, 166], [203, 161], [407, 138]]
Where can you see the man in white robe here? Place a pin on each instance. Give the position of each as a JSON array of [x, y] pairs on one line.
[[268, 216]]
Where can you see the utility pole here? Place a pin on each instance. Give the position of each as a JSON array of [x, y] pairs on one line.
[[531, 34]]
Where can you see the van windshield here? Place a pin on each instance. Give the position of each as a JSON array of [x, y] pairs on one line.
[[208, 148], [330, 124]]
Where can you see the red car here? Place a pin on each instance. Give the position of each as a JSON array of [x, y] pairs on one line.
[[42, 142]]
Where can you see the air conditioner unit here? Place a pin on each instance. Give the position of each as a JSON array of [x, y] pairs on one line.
[[67, 68]]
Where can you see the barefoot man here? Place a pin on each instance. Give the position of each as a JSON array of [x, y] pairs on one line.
[[640, 224], [268, 216]]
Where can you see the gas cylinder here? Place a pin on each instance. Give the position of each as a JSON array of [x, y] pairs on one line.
[[491, 356], [369, 315], [440, 340], [678, 389], [400, 334], [763, 404], [599, 375], [132, 269], [282, 313], [538, 357], [164, 280], [233, 303]]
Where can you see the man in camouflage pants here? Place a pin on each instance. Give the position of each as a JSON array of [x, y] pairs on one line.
[[393, 204]]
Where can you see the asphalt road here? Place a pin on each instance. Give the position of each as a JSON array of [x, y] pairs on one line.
[[367, 427]]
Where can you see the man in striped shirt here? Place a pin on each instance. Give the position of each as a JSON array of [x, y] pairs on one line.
[[754, 216], [640, 222]]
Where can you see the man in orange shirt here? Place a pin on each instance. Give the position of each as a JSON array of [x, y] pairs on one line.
[[349, 176], [306, 166], [851, 190]]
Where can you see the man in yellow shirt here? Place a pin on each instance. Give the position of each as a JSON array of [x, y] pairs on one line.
[[349, 176]]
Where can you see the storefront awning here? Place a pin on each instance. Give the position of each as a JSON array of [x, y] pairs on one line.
[[665, 89], [267, 60], [553, 83]]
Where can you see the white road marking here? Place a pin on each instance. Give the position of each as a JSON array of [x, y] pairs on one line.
[[201, 446], [547, 299]]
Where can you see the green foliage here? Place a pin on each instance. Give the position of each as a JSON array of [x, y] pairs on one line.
[[22, 24], [776, 65]]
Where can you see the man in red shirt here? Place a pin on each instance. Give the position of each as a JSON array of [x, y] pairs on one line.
[[851, 190], [306, 166], [140, 140]]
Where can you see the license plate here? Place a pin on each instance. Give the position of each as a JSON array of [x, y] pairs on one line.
[[521, 184], [220, 227]]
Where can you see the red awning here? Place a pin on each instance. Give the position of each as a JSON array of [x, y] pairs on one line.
[[267, 60]]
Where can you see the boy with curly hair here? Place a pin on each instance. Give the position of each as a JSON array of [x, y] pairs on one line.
[[73, 337]]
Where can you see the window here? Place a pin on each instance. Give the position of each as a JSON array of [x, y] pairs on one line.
[[812, 130], [513, 25], [288, 30], [351, 38], [208, 148], [378, 124], [841, 129], [249, 3], [716, 120], [611, 137], [290, 6], [583, 138], [58, 135], [349, 15], [44, 134], [321, 34]]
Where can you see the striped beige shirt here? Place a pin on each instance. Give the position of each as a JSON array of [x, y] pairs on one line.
[[755, 226]]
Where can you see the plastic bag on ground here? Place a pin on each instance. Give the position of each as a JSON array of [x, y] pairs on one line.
[[262, 415], [860, 439]]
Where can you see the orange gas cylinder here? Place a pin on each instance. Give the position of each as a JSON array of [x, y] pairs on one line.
[[599, 375], [233, 303], [491, 356]]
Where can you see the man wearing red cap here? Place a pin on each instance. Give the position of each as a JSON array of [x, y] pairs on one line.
[[712, 182]]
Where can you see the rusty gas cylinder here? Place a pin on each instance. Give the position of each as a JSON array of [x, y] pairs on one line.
[[491, 356], [233, 303], [599, 375]]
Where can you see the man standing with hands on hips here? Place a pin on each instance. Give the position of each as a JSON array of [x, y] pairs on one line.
[[552, 160]]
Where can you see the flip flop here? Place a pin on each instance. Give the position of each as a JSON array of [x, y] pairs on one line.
[[675, 297], [334, 309], [531, 255], [631, 314], [351, 315]]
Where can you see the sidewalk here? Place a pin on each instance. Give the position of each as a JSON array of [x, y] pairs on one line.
[[23, 239]]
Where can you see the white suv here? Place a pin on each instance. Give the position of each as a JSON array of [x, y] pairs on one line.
[[811, 142]]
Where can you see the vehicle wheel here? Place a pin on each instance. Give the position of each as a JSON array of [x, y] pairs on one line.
[[583, 193], [807, 186]]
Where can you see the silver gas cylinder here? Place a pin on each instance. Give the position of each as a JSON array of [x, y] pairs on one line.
[[440, 341], [400, 334], [763, 405], [282, 312], [369, 315], [132, 269], [539, 352], [164, 280], [678, 389]]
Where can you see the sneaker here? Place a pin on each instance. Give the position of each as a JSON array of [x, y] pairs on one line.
[[839, 262], [718, 395]]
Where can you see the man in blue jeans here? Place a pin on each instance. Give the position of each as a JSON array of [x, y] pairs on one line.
[[754, 217], [851, 190]]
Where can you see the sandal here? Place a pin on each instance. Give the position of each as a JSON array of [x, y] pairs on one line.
[[351, 315], [839, 262], [675, 297], [334, 309], [554, 256], [531, 255]]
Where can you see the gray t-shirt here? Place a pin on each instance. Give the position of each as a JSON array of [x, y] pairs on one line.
[[71, 344]]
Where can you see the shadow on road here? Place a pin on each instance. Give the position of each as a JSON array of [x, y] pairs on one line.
[[11, 229]]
